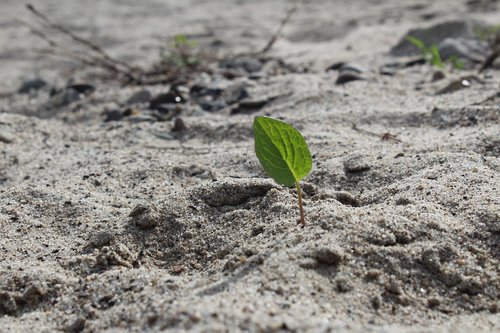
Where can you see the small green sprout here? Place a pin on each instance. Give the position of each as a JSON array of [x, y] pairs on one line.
[[430, 54], [283, 153], [182, 54]]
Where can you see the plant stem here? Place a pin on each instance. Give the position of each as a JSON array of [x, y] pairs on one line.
[[301, 208]]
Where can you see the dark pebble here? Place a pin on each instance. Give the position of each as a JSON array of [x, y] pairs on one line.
[[142, 96], [438, 75], [249, 64], [31, 85], [249, 106], [171, 97], [113, 115], [179, 125], [335, 67], [82, 88], [348, 76]]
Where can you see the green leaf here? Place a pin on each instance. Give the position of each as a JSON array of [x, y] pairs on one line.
[[281, 150], [417, 42]]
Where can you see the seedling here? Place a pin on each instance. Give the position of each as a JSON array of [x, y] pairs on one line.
[[182, 55], [432, 56], [283, 153]]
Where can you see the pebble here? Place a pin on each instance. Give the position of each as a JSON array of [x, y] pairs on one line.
[[171, 97], [438, 75], [6, 137], [235, 93], [82, 88], [179, 125], [141, 118], [77, 326], [249, 64], [388, 70], [348, 76], [469, 49], [114, 115], [31, 85], [64, 97], [250, 106], [142, 96], [454, 86], [351, 67]]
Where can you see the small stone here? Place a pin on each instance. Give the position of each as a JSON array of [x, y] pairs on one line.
[[250, 106], [356, 163], [348, 76], [329, 256], [249, 64], [466, 49], [144, 117], [77, 326], [29, 86], [456, 85], [433, 302], [113, 115], [438, 75], [179, 125], [82, 88], [6, 137], [351, 68], [64, 97], [388, 70], [376, 302], [171, 97], [235, 93], [142, 96]]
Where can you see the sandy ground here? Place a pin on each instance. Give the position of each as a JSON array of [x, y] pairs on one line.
[[127, 226]]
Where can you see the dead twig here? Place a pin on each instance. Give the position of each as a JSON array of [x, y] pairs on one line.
[[57, 49], [99, 59], [384, 136], [491, 58], [279, 31]]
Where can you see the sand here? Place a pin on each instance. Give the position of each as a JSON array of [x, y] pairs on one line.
[[126, 226]]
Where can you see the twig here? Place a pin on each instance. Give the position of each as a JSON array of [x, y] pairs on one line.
[[104, 59], [383, 136], [491, 58], [58, 49], [278, 32]]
